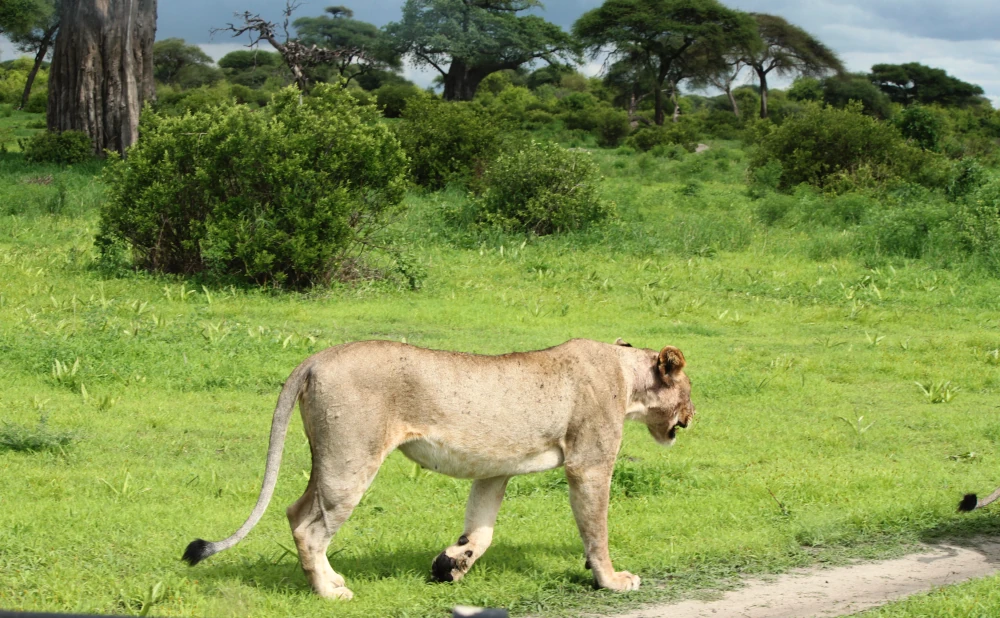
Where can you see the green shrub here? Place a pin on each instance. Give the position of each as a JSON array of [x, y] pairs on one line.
[[67, 147], [541, 188], [967, 176], [612, 127], [921, 125], [287, 195], [902, 230], [979, 223], [392, 98], [840, 149], [447, 142], [683, 132]]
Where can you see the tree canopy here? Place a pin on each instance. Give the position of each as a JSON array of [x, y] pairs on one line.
[[176, 61], [654, 39], [466, 40], [915, 83], [787, 50], [21, 16], [31, 26], [363, 46]]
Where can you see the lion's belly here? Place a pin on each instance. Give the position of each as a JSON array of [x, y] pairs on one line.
[[442, 458]]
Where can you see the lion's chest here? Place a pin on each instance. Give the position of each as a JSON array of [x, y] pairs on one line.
[[479, 464]]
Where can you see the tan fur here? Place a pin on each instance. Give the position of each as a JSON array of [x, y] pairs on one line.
[[485, 418]]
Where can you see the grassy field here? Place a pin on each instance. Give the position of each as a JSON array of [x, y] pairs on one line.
[[150, 400]]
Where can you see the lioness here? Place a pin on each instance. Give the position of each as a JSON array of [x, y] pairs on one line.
[[484, 418]]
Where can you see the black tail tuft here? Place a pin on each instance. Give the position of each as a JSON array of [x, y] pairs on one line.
[[968, 503], [197, 551]]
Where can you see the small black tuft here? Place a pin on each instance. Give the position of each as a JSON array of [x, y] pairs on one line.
[[442, 568], [586, 564], [968, 503], [196, 552]]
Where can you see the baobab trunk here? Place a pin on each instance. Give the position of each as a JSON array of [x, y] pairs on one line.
[[102, 70]]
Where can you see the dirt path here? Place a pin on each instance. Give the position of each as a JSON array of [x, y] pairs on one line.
[[842, 590]]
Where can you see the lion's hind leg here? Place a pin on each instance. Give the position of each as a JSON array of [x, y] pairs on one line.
[[480, 516], [316, 517]]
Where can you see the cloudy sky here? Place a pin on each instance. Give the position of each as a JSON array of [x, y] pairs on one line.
[[960, 36]]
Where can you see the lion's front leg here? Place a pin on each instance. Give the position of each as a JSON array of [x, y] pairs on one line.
[[589, 489], [480, 516]]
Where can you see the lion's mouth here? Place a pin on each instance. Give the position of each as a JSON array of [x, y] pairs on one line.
[[672, 433]]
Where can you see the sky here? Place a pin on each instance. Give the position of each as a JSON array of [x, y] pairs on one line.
[[960, 36]]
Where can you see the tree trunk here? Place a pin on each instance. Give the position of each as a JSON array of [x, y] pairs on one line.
[[462, 81], [732, 101], [763, 93], [677, 106], [658, 115], [43, 50], [102, 70]]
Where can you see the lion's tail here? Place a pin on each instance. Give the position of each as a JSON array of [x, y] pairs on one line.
[[200, 549], [971, 503]]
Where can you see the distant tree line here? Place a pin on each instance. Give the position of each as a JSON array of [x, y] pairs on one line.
[[649, 48]]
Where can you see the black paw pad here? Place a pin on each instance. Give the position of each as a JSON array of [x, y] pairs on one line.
[[442, 568]]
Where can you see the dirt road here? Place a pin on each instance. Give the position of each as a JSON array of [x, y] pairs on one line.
[[842, 590]]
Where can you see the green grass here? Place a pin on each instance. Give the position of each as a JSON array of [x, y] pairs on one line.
[[171, 404], [975, 599]]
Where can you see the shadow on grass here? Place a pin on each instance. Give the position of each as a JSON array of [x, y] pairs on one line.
[[284, 574]]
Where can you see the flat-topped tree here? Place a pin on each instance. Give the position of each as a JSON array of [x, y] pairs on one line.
[[366, 48], [658, 37], [787, 50], [466, 40], [916, 83]]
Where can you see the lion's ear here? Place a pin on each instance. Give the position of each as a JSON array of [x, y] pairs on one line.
[[671, 361], [622, 342]]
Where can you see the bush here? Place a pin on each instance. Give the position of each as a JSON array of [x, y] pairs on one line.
[[541, 188], [612, 127], [683, 132], [835, 148], [447, 142], [979, 223], [287, 195], [921, 125], [392, 98], [67, 147]]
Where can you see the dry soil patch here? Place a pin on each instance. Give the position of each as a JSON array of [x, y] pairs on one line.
[[842, 590]]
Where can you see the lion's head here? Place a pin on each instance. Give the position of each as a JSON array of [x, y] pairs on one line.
[[662, 397]]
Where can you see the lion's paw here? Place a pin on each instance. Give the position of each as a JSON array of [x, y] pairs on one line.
[[622, 581], [341, 593], [448, 569]]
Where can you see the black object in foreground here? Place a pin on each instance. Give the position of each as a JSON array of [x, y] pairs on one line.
[[196, 551], [968, 503]]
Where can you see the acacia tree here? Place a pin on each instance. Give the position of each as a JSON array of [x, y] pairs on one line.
[[173, 58], [102, 70], [31, 25], [363, 46], [658, 37], [466, 40], [916, 83], [787, 50]]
